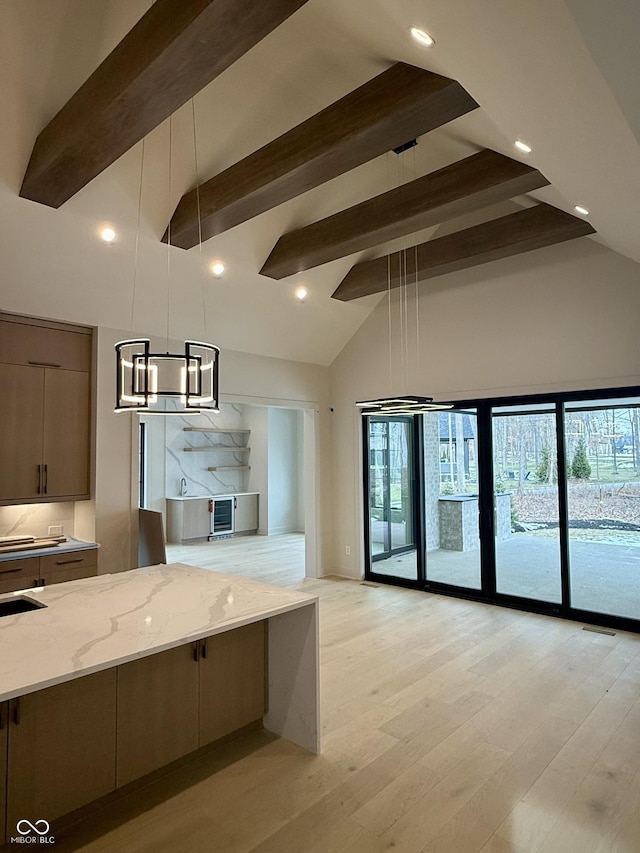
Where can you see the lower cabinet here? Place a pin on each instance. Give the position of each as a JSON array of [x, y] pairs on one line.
[[70, 744], [4, 728], [61, 748], [188, 520], [27, 572], [171, 703], [246, 517], [69, 566], [19, 574], [157, 711], [232, 681], [191, 519]]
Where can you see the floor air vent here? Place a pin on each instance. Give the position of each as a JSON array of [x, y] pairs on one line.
[[368, 583], [598, 630]]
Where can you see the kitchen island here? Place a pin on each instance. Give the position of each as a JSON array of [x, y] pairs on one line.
[[119, 675]]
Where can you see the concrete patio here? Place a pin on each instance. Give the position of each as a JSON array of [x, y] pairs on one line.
[[605, 577]]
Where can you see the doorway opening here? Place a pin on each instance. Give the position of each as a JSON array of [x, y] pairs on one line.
[[261, 457]]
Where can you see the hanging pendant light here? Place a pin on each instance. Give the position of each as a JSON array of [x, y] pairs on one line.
[[167, 383], [407, 404], [403, 404]]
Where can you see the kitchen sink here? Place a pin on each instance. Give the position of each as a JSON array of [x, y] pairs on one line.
[[19, 604]]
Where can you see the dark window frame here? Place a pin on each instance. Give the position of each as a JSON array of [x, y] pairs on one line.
[[488, 594]]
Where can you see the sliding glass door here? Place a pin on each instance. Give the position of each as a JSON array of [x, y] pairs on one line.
[[391, 497], [525, 500], [451, 498], [530, 502], [603, 500]]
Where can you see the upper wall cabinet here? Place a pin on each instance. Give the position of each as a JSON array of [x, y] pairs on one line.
[[45, 388]]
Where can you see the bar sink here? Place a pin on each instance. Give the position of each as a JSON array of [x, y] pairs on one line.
[[19, 604]]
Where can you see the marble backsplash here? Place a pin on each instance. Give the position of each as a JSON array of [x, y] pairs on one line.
[[35, 519], [192, 465]]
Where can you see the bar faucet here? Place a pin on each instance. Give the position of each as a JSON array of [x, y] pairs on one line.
[[183, 487]]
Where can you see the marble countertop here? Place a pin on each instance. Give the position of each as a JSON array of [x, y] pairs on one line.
[[93, 624], [70, 545], [210, 497]]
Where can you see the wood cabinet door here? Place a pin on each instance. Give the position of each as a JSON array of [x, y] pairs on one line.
[[68, 574], [157, 711], [246, 513], [66, 433], [232, 681], [62, 743], [19, 574], [34, 343], [4, 727], [21, 429], [196, 519]]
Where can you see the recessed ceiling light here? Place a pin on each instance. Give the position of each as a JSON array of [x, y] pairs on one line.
[[422, 36], [301, 293], [108, 235], [522, 146], [581, 210], [217, 268]]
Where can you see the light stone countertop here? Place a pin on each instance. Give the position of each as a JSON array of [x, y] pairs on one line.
[[210, 497], [100, 622], [62, 548]]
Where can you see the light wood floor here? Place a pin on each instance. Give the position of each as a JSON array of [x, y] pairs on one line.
[[449, 726]]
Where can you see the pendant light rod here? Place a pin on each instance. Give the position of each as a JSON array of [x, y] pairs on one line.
[[183, 383], [404, 404]]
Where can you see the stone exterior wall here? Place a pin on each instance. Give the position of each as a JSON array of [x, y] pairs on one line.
[[459, 523], [432, 480], [503, 516]]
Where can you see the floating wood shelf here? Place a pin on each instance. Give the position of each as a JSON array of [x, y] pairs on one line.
[[230, 468], [213, 449], [215, 429]]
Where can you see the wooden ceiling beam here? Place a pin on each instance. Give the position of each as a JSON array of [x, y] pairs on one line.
[[398, 105], [463, 187], [175, 49], [532, 228]]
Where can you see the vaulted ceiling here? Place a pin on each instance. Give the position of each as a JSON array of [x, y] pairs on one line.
[[281, 165]]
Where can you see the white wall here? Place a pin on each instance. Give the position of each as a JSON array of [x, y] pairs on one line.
[[557, 319], [285, 474], [257, 420], [156, 462]]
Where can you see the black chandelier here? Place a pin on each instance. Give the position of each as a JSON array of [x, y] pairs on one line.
[[166, 383]]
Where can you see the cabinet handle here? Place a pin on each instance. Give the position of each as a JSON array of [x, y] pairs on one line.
[[67, 562], [1, 716], [39, 479], [46, 478], [16, 711], [9, 571], [196, 652], [204, 649], [43, 364]]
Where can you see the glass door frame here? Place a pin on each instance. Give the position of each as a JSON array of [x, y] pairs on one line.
[[488, 592], [417, 510], [535, 605]]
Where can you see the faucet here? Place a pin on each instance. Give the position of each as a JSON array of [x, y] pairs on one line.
[[183, 487]]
